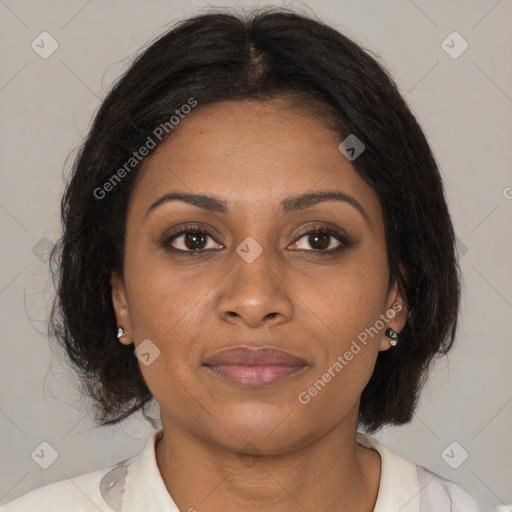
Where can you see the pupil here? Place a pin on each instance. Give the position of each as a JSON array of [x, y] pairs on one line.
[[193, 238], [313, 239]]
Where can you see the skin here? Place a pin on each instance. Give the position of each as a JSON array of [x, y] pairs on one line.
[[304, 457]]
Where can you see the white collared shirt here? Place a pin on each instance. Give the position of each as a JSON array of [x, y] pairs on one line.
[[136, 485]]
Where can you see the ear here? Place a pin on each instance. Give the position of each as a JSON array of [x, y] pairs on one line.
[[120, 303], [396, 312]]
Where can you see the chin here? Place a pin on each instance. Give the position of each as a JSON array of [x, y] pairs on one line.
[[261, 431]]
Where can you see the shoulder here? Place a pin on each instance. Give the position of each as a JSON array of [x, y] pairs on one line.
[[131, 485], [100, 490], [439, 494], [408, 487]]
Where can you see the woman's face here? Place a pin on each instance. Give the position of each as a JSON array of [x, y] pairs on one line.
[[257, 279]]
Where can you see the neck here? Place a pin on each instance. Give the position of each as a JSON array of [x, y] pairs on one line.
[[332, 473]]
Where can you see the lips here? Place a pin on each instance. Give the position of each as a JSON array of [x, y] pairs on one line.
[[254, 367], [244, 355]]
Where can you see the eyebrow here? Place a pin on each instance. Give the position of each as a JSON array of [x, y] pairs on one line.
[[290, 204]]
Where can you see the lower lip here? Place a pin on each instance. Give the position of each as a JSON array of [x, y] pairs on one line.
[[255, 376]]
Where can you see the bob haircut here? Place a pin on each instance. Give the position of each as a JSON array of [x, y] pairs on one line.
[[269, 53]]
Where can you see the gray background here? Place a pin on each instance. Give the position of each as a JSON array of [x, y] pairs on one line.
[[464, 105]]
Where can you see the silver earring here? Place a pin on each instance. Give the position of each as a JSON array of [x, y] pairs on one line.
[[392, 335], [120, 332]]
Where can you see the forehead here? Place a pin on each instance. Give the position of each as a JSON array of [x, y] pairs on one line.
[[252, 153]]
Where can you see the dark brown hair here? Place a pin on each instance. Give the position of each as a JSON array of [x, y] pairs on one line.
[[265, 54]]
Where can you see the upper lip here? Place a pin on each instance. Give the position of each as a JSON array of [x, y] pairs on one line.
[[247, 355]]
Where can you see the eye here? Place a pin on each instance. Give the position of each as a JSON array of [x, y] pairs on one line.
[[194, 240], [190, 239], [323, 239]]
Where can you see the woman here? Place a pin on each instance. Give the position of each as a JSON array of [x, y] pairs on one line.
[[258, 216]]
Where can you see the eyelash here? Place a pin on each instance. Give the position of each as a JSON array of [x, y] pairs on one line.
[[345, 241]]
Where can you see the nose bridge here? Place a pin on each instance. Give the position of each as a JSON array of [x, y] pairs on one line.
[[252, 267], [254, 288]]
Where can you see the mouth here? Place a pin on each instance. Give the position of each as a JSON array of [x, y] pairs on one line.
[[254, 367]]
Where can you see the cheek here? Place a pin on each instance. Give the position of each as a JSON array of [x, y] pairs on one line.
[[162, 296], [350, 297], [169, 306], [351, 316], [348, 350]]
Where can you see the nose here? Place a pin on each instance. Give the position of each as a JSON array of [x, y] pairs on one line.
[[255, 294]]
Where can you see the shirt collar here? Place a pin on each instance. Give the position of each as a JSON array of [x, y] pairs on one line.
[[399, 487], [145, 488]]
